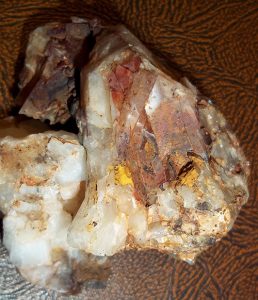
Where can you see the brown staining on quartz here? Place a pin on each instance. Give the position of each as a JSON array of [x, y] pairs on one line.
[[121, 77], [158, 147], [28, 153], [165, 146], [48, 86], [237, 169], [130, 88], [179, 134], [32, 181]]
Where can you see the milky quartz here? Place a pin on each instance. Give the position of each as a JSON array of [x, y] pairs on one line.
[[159, 168], [164, 170], [42, 184]]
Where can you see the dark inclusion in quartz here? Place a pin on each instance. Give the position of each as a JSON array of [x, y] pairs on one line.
[[54, 56]]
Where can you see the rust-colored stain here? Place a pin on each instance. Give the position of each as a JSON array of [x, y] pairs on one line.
[[215, 44]]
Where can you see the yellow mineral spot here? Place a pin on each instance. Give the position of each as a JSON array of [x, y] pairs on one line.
[[198, 162], [89, 227], [123, 175], [190, 177]]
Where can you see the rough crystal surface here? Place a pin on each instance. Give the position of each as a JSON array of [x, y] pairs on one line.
[[42, 183], [165, 172], [54, 53], [161, 168]]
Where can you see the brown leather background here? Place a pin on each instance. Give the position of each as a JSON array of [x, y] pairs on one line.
[[213, 42]]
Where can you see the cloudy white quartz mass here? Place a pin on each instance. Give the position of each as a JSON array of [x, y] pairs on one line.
[[42, 184]]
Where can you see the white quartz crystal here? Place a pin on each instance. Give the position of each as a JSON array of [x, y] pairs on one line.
[[42, 184]]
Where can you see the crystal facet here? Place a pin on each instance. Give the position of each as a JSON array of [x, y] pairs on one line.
[[164, 171]]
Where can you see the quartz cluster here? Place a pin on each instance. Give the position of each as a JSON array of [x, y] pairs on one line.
[[157, 167], [164, 170], [42, 184]]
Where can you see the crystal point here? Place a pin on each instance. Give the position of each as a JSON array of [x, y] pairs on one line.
[[161, 158]]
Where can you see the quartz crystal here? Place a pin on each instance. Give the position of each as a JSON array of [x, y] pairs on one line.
[[42, 184], [48, 80], [164, 170], [158, 168]]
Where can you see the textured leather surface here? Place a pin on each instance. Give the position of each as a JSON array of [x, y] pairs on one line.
[[214, 43]]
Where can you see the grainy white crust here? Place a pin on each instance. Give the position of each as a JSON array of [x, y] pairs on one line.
[[42, 184]]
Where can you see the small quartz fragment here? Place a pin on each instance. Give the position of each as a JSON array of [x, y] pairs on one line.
[[48, 84], [42, 184], [164, 171]]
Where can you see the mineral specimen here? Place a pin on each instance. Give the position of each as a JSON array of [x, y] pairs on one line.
[[164, 170], [42, 184], [48, 78], [161, 169]]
